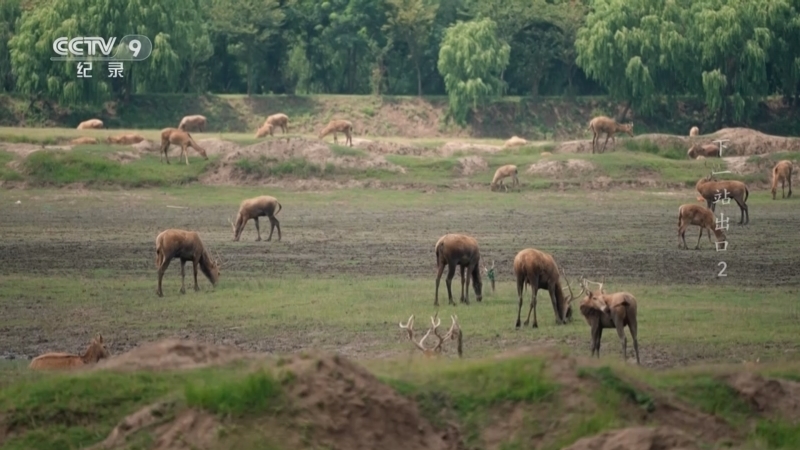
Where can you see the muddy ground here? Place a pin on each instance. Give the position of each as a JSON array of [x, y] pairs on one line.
[[626, 239]]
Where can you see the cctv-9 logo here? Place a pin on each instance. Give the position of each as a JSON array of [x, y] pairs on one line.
[[132, 47]]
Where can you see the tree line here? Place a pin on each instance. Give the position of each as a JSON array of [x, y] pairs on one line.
[[726, 53]]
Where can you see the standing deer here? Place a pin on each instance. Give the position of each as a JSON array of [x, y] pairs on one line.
[[341, 126], [616, 310], [691, 214], [609, 126], [782, 172], [253, 208], [458, 250], [713, 190], [694, 131], [509, 170], [170, 136], [197, 122], [278, 120], [186, 246]]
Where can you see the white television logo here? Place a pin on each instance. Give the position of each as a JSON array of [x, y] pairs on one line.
[[133, 47]]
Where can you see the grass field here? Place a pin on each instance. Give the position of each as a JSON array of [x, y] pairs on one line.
[[352, 263]]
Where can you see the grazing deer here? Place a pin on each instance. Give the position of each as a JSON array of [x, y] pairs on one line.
[[509, 170], [691, 214], [170, 136], [186, 246], [713, 190], [278, 120], [253, 208], [341, 126], [94, 352], [782, 172], [610, 127], [539, 270], [458, 250], [453, 333]]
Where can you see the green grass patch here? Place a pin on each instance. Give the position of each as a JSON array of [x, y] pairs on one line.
[[255, 393], [777, 434], [605, 376], [340, 150], [91, 165], [7, 173], [646, 146]]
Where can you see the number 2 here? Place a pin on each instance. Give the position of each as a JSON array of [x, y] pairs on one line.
[[722, 272]]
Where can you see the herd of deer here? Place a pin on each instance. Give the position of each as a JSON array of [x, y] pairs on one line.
[[532, 267]]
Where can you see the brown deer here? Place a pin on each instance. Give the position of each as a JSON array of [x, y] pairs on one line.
[[453, 333], [174, 136], [458, 250], [125, 139], [704, 151], [83, 141], [266, 129], [713, 190], [94, 353], [91, 124], [196, 122], [617, 310], [253, 208], [691, 214], [278, 120], [694, 131], [539, 270], [782, 172], [340, 126], [610, 127], [186, 246], [509, 170]]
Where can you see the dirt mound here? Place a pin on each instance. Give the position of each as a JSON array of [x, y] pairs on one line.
[[638, 438], [560, 168], [147, 146], [773, 397], [392, 148], [580, 146], [345, 406], [471, 164], [24, 150], [125, 157], [216, 146], [170, 354], [450, 148]]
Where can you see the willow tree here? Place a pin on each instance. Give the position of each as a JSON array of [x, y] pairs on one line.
[[411, 21], [639, 50], [471, 59], [175, 30], [734, 40]]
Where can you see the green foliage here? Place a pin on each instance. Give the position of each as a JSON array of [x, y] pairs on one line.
[[669, 152], [471, 60], [255, 393], [778, 434], [609, 379]]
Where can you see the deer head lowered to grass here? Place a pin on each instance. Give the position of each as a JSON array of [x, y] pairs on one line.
[[453, 333]]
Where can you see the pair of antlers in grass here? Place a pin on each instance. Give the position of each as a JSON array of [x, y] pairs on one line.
[[435, 322]]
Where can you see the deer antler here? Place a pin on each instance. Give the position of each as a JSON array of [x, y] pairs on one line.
[[435, 322], [453, 328], [409, 327]]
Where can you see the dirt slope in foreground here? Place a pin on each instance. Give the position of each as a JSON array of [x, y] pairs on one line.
[[327, 401]]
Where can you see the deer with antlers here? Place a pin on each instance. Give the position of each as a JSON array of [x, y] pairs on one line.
[[453, 333], [617, 310], [539, 270]]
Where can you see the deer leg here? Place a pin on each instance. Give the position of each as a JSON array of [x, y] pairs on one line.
[[451, 272], [335, 141], [349, 138], [271, 227], [534, 289], [790, 187], [438, 279], [556, 308], [183, 276], [161, 271], [469, 281], [520, 286], [461, 272], [682, 234], [278, 226], [594, 140], [604, 144], [194, 268], [599, 337], [621, 332], [697, 247], [632, 327], [258, 230]]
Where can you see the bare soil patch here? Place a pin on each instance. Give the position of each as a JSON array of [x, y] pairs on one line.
[[469, 165], [23, 150], [638, 438], [741, 142], [772, 397], [570, 167], [125, 157], [451, 148], [392, 148], [171, 354]]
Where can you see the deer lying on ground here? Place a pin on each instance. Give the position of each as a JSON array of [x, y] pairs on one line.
[[617, 310], [254, 208], [705, 150], [174, 136], [490, 274], [691, 214], [539, 270], [186, 246], [458, 250], [94, 352], [514, 141], [196, 122], [694, 131], [278, 120], [713, 190], [90, 124], [782, 172], [338, 126], [610, 127], [509, 170], [453, 333], [266, 129], [125, 139], [83, 141]]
